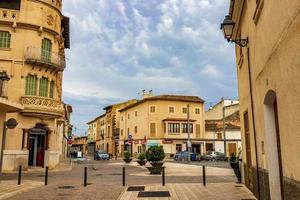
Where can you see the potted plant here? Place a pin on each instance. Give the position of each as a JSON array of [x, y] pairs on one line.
[[155, 155], [141, 159], [127, 157]]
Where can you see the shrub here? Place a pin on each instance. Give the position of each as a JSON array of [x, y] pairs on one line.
[[127, 155], [142, 156], [155, 154]]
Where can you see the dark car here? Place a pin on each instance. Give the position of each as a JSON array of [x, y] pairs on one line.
[[183, 156], [101, 155], [213, 156]]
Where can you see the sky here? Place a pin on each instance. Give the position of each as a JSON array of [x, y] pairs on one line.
[[120, 47]]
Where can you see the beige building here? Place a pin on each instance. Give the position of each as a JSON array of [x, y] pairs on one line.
[[222, 128], [79, 143], [161, 120], [33, 36], [101, 131], [92, 135], [268, 69]]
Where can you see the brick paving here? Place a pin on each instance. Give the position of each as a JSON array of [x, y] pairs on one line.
[[105, 178]]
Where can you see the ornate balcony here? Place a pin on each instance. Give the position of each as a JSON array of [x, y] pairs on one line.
[[42, 107], [9, 15], [53, 61]]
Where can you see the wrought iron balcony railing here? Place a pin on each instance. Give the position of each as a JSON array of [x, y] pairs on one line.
[[52, 60]]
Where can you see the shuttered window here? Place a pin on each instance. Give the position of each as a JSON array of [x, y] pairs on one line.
[[152, 129], [31, 84], [4, 39], [43, 87], [46, 50], [198, 132], [51, 91]]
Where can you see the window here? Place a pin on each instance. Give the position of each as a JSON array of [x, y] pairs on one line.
[[121, 132], [135, 113], [171, 109], [108, 131], [135, 129], [46, 50], [139, 149], [51, 91], [152, 129], [197, 111], [128, 116], [122, 118], [4, 39], [128, 131], [219, 136], [178, 147], [198, 131], [184, 110], [10, 4], [174, 127], [43, 87], [31, 83], [152, 109], [185, 128]]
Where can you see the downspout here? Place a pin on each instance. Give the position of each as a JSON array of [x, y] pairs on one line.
[[253, 120]]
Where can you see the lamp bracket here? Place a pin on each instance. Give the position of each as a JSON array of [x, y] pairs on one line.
[[240, 42]]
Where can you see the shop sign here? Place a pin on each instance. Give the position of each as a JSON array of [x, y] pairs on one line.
[[136, 142], [151, 143], [167, 141]]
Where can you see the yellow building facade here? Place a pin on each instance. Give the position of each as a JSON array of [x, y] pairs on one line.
[[33, 36], [268, 71], [162, 120]]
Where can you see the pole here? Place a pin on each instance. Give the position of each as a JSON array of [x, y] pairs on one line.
[[224, 130], [163, 176], [3, 145], [85, 177], [188, 132], [123, 176], [204, 175], [19, 175], [46, 175]]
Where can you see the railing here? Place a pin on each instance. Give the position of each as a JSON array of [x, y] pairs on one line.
[[42, 105], [34, 54], [10, 15]]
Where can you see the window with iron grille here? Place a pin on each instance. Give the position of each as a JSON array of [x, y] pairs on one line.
[[31, 84], [46, 50], [185, 128], [173, 127], [184, 110], [51, 90], [43, 87], [4, 39]]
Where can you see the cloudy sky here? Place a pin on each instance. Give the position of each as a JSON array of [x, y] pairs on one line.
[[119, 47]]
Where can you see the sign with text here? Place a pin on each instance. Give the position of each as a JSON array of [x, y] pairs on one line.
[[167, 141]]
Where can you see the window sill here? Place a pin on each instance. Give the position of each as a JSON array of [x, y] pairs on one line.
[[5, 49], [257, 12]]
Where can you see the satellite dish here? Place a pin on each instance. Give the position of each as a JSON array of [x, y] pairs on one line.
[[11, 123]]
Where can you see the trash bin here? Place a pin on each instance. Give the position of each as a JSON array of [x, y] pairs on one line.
[[193, 157]]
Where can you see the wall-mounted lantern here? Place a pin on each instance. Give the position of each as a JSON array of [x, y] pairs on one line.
[[3, 84]]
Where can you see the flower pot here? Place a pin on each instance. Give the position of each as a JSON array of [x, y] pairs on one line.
[[127, 160], [157, 164], [141, 162], [155, 170]]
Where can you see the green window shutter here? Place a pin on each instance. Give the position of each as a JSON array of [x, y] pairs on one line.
[[4, 39], [43, 87], [31, 81], [46, 50], [51, 95]]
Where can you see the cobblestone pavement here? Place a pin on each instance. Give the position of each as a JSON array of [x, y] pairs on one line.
[[105, 179]]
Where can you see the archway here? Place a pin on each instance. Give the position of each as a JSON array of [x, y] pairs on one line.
[[273, 148]]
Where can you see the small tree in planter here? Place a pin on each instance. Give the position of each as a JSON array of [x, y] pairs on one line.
[[155, 155], [141, 159], [127, 157]]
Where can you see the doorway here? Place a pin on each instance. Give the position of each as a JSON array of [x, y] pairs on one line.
[[232, 149], [36, 150], [273, 147]]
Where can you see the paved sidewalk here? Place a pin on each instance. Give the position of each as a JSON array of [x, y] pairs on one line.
[[195, 191], [10, 188]]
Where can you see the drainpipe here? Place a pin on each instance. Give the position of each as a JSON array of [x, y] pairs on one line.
[[253, 119]]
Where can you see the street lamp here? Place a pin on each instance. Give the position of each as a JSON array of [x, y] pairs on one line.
[[227, 27], [3, 84]]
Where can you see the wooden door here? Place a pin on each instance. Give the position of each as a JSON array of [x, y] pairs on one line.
[[40, 153], [232, 149]]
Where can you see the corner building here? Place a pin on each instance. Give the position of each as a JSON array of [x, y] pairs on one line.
[[33, 36]]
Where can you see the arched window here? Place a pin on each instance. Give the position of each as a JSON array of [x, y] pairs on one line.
[[43, 87], [4, 39], [31, 84], [46, 50]]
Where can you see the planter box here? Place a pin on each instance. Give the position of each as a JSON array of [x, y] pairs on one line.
[[155, 170], [141, 162], [158, 164], [127, 160]]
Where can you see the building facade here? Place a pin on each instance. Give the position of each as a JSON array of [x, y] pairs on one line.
[[101, 131], [91, 136], [162, 120], [222, 128], [33, 36], [268, 71], [80, 144]]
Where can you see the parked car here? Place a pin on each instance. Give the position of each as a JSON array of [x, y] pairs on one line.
[[183, 156], [101, 155], [213, 156]]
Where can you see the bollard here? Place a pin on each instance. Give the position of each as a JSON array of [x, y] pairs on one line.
[[123, 176], [85, 177], [46, 175], [204, 178], [19, 175], [163, 176]]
